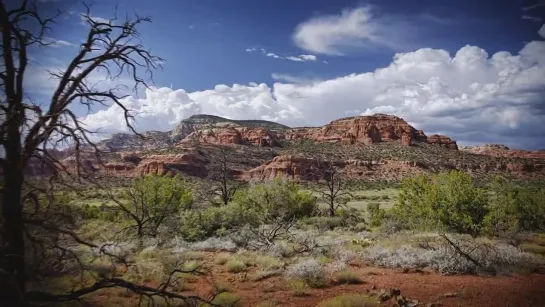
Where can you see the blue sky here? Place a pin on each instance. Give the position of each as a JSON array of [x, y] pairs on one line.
[[204, 41], [474, 70]]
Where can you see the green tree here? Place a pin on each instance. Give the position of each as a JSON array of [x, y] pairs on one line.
[[514, 208], [151, 200], [278, 199], [445, 201]]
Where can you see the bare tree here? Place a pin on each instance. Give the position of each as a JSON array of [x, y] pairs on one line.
[[332, 185], [225, 187], [32, 215]]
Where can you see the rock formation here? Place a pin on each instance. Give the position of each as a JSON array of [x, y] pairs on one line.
[[190, 164], [366, 130], [442, 140], [230, 135], [500, 150]]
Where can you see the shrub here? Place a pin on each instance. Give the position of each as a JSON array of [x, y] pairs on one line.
[[199, 225], [227, 299], [222, 258], [348, 277], [278, 199], [221, 287], [235, 265], [514, 208], [298, 287], [268, 263], [309, 271], [377, 216], [261, 275], [268, 304], [350, 300], [447, 260], [445, 201]]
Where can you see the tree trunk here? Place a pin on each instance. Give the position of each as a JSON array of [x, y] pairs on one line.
[[332, 209], [12, 232]]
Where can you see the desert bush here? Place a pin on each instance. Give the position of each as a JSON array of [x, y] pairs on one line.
[[264, 274], [310, 271], [221, 287], [227, 299], [323, 223], [377, 216], [298, 287], [447, 201], [235, 265], [222, 258], [350, 300], [279, 199], [514, 208], [199, 225], [268, 304], [348, 277], [268, 263], [447, 260], [214, 244]]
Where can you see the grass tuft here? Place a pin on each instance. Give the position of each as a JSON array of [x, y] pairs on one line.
[[349, 300], [348, 277], [235, 266]]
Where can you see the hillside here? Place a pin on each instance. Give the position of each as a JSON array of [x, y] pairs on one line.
[[377, 147]]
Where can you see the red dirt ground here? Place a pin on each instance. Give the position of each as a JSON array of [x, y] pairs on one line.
[[427, 287], [467, 290]]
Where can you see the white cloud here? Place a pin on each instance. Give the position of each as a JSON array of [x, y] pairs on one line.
[[94, 18], [531, 18], [541, 31], [539, 3], [470, 96], [53, 42], [352, 29], [297, 58]]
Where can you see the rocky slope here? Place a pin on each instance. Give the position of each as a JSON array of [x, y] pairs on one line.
[[363, 147], [500, 150]]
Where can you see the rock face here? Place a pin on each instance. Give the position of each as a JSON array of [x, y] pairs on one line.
[[500, 150], [442, 140], [190, 164], [230, 135], [217, 130], [125, 141], [204, 122], [300, 168], [367, 130]]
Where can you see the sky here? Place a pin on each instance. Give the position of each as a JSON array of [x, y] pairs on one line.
[[472, 70]]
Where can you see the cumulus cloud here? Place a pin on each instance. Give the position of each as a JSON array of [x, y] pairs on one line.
[[471, 96], [351, 29], [297, 58]]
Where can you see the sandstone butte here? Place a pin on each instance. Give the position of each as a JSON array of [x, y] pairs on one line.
[[204, 129], [367, 130], [352, 130]]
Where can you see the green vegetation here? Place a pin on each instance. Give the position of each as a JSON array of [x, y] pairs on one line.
[[350, 300], [282, 232], [452, 202]]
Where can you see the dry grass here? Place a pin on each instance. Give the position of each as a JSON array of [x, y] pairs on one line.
[[235, 266], [348, 277], [349, 300]]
